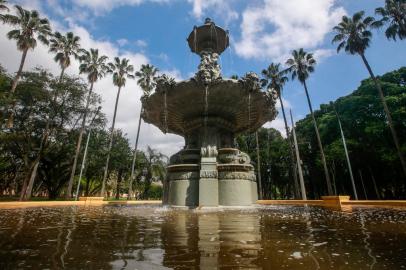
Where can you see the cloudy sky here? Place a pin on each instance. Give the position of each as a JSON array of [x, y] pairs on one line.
[[155, 31]]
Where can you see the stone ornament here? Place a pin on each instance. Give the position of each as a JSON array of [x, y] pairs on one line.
[[208, 174], [209, 151], [209, 70]]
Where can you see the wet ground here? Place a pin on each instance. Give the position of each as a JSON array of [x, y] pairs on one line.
[[142, 237]]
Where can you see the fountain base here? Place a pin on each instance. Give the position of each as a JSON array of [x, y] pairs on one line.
[[226, 179]]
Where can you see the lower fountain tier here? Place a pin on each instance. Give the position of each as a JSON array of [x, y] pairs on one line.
[[189, 106], [225, 180]]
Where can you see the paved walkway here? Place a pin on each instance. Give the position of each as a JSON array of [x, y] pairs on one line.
[[11, 205]]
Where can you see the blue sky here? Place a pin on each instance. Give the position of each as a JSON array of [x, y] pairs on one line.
[[155, 31]]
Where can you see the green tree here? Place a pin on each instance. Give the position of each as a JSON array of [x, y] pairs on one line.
[[28, 27], [147, 76], [354, 36], [121, 70], [393, 14], [64, 47], [94, 65], [300, 66], [3, 7], [274, 79]]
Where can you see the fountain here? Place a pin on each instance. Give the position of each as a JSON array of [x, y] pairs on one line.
[[209, 111]]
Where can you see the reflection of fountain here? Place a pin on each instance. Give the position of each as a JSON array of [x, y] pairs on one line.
[[209, 111]]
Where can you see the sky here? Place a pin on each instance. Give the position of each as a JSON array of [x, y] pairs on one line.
[[261, 32]]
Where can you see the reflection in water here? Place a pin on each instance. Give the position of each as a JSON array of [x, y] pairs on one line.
[[114, 237]]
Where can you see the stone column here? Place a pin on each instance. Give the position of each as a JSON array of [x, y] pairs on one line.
[[208, 182]]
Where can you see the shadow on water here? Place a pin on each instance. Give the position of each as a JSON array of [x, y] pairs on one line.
[[142, 237]]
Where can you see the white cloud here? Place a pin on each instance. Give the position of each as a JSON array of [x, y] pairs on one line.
[[141, 43], [222, 9], [273, 28], [122, 42], [129, 103], [101, 6]]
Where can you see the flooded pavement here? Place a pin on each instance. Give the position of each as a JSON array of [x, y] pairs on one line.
[[153, 237]]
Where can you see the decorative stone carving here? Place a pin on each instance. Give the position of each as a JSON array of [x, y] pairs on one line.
[[208, 174], [251, 82], [209, 151], [235, 158], [237, 176], [183, 176], [209, 69]]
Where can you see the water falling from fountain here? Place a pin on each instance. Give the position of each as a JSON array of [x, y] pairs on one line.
[[249, 111], [165, 113], [206, 108]]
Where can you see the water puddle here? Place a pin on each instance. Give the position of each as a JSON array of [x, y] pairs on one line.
[[146, 237]]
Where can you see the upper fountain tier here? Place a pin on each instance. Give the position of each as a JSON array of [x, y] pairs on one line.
[[208, 37], [207, 103]]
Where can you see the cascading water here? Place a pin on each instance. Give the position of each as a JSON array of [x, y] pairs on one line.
[[249, 111], [206, 108], [165, 113]]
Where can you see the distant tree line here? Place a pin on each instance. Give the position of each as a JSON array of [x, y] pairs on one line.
[[375, 163], [44, 118]]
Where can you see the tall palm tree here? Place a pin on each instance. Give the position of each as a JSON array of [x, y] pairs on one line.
[[64, 47], [274, 79], [393, 13], [122, 70], [300, 66], [354, 36], [28, 27], [147, 76], [94, 65]]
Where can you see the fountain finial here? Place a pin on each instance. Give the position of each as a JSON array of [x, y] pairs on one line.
[[207, 21]]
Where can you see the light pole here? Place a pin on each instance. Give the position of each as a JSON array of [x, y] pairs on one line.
[[299, 166], [346, 153], [85, 153]]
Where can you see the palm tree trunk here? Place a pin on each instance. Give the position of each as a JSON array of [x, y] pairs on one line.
[[292, 158], [134, 157], [61, 76], [323, 157], [78, 144], [387, 112], [258, 168], [106, 168], [10, 121]]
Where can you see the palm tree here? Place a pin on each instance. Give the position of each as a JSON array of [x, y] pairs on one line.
[[147, 76], [300, 66], [121, 70], [28, 27], [95, 67], [274, 79], [354, 36], [3, 7], [393, 13], [64, 47]]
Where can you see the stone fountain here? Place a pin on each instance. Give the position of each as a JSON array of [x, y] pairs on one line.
[[208, 111]]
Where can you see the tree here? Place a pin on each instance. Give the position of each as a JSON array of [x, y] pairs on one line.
[[121, 70], [3, 7], [64, 47], [95, 67], [28, 28], [394, 14], [354, 36], [300, 66], [274, 79], [147, 81]]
